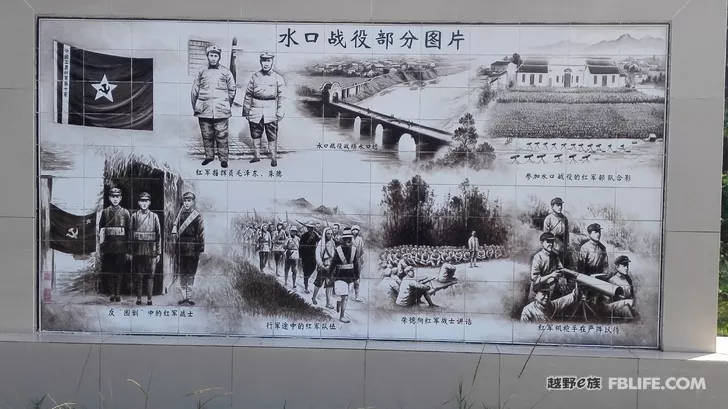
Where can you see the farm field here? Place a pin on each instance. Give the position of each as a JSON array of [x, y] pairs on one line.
[[582, 113]]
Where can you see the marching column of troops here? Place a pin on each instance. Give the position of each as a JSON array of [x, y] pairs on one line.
[[552, 277], [334, 254], [133, 242]]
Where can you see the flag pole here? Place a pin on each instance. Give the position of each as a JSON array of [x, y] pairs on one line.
[[46, 253]]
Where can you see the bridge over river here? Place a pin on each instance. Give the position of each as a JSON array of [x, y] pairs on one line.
[[373, 123]]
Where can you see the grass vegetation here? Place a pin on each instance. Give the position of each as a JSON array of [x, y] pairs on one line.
[[528, 112]]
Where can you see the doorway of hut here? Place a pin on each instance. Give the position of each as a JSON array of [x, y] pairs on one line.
[[134, 178]]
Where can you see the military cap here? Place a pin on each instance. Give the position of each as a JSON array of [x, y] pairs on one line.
[[114, 191], [280, 224], [355, 227], [310, 225], [542, 287], [347, 234], [594, 227], [622, 261], [145, 196], [266, 55], [188, 195], [547, 236], [294, 228], [556, 200], [213, 49]]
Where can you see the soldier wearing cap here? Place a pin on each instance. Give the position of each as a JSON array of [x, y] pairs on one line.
[[558, 224], [213, 93], [114, 230], [543, 308], [188, 232], [344, 269], [280, 237], [309, 241], [473, 245], [291, 255], [546, 266], [358, 242], [593, 254], [622, 309], [146, 246], [325, 250], [622, 277], [263, 106]]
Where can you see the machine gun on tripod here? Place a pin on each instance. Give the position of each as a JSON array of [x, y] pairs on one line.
[[594, 287]]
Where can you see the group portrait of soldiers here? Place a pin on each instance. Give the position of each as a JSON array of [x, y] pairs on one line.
[[565, 282], [332, 255], [213, 95], [132, 243]]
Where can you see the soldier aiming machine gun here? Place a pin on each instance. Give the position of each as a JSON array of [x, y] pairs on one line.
[[593, 285]]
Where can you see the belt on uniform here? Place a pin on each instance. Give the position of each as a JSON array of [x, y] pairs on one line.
[[266, 98], [114, 231], [346, 267], [147, 236]]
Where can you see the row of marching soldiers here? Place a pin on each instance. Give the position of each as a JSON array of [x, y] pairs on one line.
[[336, 255]]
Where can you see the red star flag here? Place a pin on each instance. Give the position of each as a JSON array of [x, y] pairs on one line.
[[102, 90]]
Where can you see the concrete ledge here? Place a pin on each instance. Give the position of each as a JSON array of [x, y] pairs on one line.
[[95, 371]]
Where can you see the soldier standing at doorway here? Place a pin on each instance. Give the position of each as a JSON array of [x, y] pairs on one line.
[[114, 229], [213, 93], [263, 106], [188, 231], [146, 246]]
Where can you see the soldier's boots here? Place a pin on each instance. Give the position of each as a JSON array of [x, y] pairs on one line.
[[254, 160], [149, 301], [206, 162], [114, 298], [273, 163], [224, 164], [139, 301]]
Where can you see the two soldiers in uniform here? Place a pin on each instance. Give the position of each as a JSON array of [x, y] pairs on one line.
[[136, 238], [213, 93], [188, 232]]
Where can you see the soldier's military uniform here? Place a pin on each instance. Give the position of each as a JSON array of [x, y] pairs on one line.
[[263, 106], [546, 310], [308, 243], [213, 93], [189, 229], [114, 230], [544, 263], [593, 255], [358, 243], [344, 269], [558, 224], [146, 246]]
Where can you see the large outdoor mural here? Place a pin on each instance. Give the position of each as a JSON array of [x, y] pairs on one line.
[[466, 183]]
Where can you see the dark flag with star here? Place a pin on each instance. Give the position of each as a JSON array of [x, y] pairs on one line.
[[102, 90], [70, 233]]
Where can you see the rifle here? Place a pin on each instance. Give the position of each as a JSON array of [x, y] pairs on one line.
[[448, 285], [600, 286]]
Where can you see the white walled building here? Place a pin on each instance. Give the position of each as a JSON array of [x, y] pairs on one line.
[[570, 72]]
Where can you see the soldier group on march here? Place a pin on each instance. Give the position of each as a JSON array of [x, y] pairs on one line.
[[134, 242], [213, 94], [333, 254], [552, 277]]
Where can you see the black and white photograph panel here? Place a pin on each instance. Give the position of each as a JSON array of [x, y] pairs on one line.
[[462, 183]]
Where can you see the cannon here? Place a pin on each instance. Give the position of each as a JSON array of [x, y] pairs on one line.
[[602, 287]]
